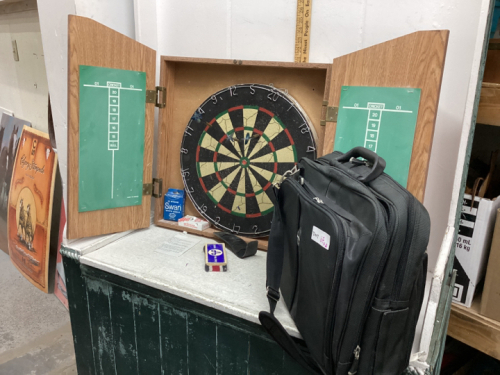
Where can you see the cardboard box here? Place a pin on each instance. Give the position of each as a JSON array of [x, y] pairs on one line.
[[490, 301], [193, 222], [473, 244], [174, 204]]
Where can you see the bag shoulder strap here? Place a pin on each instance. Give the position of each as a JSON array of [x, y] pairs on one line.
[[274, 268], [281, 336], [275, 256]]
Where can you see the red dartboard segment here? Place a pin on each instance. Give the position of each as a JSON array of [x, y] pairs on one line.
[[203, 185], [224, 208], [239, 151], [235, 108], [259, 132], [289, 136], [254, 215], [266, 111]]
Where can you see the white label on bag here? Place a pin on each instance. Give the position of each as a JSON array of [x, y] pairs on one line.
[[320, 237]]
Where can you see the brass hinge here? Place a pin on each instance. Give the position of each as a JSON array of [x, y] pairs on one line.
[[147, 189], [153, 96], [331, 114], [151, 188]]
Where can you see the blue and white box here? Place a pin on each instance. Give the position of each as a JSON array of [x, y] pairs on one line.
[[173, 208]]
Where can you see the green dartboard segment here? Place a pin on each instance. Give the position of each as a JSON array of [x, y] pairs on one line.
[[381, 119], [111, 152]]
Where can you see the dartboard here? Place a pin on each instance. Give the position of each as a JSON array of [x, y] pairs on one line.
[[238, 143]]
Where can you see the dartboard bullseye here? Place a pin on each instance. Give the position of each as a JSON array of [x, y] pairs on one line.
[[238, 143]]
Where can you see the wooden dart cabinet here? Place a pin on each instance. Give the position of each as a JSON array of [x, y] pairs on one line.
[[124, 323]]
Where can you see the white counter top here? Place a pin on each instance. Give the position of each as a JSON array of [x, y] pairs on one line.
[[240, 291]]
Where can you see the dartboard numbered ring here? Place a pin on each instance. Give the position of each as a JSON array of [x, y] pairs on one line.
[[238, 143]]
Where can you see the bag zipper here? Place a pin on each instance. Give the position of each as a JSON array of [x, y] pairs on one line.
[[403, 260], [401, 268], [355, 364], [372, 285], [328, 341]]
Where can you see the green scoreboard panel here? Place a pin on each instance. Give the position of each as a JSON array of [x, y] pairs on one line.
[[111, 152], [381, 119]]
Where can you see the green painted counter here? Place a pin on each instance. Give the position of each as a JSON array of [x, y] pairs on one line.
[[136, 311], [124, 327]]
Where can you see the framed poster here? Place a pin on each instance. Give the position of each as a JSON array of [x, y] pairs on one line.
[[30, 206], [10, 133]]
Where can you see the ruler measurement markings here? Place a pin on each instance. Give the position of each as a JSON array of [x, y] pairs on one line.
[[302, 30]]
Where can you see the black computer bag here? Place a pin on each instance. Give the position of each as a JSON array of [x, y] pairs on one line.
[[347, 249]]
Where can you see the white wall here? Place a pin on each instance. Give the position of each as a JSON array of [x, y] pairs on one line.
[[23, 83], [265, 30]]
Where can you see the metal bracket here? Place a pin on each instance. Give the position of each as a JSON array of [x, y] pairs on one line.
[[156, 185], [70, 253], [153, 96], [147, 189], [157, 182], [163, 102], [150, 96], [330, 115]]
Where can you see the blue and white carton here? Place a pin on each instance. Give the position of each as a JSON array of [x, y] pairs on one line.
[[173, 208]]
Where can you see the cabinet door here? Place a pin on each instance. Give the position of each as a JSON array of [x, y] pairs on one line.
[[415, 61], [125, 147]]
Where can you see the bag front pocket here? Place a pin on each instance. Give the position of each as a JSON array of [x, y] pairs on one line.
[[390, 354], [290, 214], [321, 243]]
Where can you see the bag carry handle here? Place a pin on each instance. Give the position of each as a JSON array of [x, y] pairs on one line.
[[378, 163]]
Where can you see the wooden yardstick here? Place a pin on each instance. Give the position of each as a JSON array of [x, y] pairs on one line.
[[303, 30]]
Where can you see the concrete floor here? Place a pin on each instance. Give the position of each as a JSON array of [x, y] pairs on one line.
[[35, 331]]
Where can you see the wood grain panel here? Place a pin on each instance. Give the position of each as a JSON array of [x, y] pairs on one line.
[[491, 71], [191, 81], [91, 43], [209, 232], [473, 329], [488, 111], [415, 60]]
